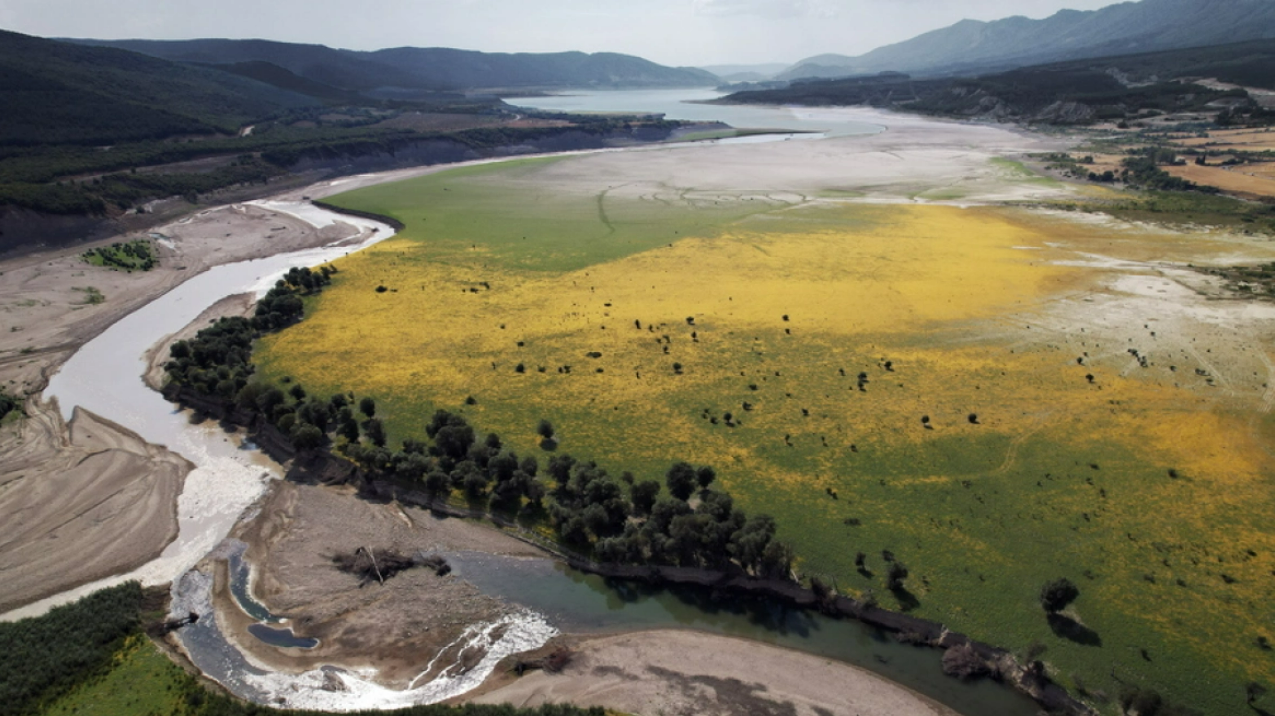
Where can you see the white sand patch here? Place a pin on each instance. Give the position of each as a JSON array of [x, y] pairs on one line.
[[317, 689]]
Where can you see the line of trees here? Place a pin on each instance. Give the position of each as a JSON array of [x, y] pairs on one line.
[[682, 522], [218, 361]]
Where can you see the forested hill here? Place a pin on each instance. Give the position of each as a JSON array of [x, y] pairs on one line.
[[55, 92], [431, 69], [1128, 27], [1076, 92]]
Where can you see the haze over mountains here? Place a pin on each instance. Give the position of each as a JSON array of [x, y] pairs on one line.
[[1130, 27], [390, 71]]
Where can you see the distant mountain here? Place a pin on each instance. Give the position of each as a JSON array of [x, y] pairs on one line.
[[54, 92], [1139, 88], [1131, 27], [746, 73], [429, 69]]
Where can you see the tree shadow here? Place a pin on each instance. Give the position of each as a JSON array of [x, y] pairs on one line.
[[907, 600], [1072, 630], [1260, 711], [865, 572], [548, 444]]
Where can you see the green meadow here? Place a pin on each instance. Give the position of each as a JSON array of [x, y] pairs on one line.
[[977, 452]]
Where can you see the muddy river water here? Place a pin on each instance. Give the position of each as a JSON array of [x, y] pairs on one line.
[[229, 477]]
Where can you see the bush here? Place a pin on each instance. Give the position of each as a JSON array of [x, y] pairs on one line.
[[1056, 595]]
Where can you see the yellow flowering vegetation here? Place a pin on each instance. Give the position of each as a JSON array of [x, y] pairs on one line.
[[877, 377]]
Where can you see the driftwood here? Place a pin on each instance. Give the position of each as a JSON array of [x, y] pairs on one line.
[[380, 565], [162, 628]]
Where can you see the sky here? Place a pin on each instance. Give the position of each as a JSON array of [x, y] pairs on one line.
[[670, 32]]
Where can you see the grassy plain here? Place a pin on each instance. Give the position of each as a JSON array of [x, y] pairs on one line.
[[141, 680], [1148, 486]]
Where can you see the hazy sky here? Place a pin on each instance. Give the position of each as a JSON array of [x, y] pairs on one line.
[[673, 32]]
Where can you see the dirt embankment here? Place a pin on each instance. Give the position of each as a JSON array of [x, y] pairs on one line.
[[80, 502]]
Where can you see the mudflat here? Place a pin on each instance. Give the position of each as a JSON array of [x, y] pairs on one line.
[[687, 673]]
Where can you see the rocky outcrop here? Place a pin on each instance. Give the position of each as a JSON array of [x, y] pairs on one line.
[[1066, 113]]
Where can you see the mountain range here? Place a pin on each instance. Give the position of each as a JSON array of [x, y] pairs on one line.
[[391, 71], [54, 92], [973, 46]]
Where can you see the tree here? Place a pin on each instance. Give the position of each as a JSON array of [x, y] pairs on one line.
[[374, 431], [1254, 691], [749, 543], [894, 578], [348, 430], [643, 496], [545, 429], [705, 476], [529, 466], [367, 406], [1056, 595], [776, 560], [268, 400], [437, 483], [680, 479], [306, 437], [454, 440]]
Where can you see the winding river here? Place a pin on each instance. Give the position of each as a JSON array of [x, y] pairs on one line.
[[103, 377]]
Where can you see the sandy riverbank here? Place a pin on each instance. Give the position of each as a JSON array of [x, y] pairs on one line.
[[80, 502], [686, 673]]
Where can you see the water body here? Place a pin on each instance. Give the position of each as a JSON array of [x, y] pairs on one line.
[[585, 603], [684, 105], [281, 637]]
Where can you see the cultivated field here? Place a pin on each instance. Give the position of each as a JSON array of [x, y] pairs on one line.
[[1041, 395], [1244, 180]]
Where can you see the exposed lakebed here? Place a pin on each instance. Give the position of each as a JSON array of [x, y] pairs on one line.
[[228, 478]]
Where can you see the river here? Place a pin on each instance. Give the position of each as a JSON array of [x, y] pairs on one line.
[[104, 377], [688, 105]]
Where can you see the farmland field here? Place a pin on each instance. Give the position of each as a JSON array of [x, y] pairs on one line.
[[998, 396]]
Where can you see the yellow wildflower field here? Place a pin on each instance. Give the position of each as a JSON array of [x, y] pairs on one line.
[[969, 388]]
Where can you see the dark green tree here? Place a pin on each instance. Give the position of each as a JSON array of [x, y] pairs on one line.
[[544, 429], [1056, 595], [643, 496], [681, 480], [306, 436], [895, 576], [705, 476], [374, 431], [367, 406]]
